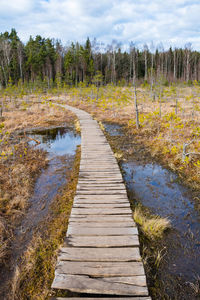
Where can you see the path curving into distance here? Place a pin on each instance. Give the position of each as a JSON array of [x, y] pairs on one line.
[[100, 255]]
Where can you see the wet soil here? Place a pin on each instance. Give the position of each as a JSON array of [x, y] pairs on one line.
[[160, 191]]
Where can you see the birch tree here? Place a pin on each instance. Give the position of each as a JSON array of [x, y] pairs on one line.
[[133, 51]]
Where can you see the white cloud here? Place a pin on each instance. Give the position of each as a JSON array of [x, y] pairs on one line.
[[15, 7], [174, 22]]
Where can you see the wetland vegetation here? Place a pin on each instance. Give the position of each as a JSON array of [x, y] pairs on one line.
[[153, 126]]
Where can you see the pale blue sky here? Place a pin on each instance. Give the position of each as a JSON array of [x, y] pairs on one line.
[[170, 22]]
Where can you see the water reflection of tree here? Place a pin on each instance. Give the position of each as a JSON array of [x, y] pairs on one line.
[[50, 135]]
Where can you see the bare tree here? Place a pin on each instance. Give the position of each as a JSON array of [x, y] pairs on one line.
[[175, 64], [133, 51], [145, 61], [187, 57], [20, 57], [152, 64], [114, 47]]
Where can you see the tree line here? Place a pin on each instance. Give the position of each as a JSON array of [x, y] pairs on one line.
[[47, 60]]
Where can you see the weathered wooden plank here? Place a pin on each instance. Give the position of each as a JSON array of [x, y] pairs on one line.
[[100, 205], [100, 171], [102, 224], [107, 182], [92, 159], [104, 177], [134, 280], [91, 152], [100, 254], [95, 187], [108, 190], [111, 202], [88, 231], [100, 192], [102, 241], [94, 175], [100, 180], [101, 183], [101, 218], [109, 199], [105, 169], [100, 211], [99, 176], [85, 284], [93, 202], [103, 298], [96, 163], [103, 197]]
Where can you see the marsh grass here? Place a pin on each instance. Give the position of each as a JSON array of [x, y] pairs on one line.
[[118, 155], [77, 126], [163, 136], [101, 126], [17, 176], [37, 273], [20, 163], [152, 226]]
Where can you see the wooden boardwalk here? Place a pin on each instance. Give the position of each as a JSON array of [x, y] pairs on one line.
[[101, 251]]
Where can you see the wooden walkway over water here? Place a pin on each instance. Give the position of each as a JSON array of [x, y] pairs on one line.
[[101, 251]]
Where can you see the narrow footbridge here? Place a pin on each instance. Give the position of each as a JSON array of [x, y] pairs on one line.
[[100, 255]]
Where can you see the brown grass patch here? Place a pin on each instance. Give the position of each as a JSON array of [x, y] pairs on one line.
[[165, 136], [153, 227], [19, 163], [35, 278]]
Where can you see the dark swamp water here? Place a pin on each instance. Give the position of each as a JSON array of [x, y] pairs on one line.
[[60, 144], [157, 188]]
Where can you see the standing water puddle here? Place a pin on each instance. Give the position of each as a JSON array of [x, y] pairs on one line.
[[158, 189], [113, 129], [60, 144]]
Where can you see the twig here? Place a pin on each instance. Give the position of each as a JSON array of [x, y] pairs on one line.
[[32, 139], [185, 153]]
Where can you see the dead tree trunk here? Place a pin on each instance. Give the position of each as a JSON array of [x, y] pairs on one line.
[[135, 91]]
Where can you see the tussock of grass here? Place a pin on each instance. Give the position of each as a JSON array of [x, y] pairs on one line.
[[77, 126], [118, 155], [152, 226], [101, 126]]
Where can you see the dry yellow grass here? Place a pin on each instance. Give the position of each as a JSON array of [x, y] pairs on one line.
[[36, 275], [152, 226], [19, 163], [34, 116], [77, 126], [164, 137]]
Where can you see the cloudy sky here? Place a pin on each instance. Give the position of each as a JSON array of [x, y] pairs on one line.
[[170, 22]]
